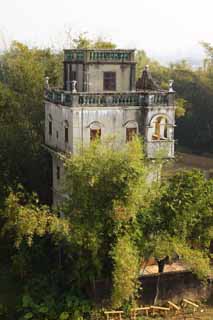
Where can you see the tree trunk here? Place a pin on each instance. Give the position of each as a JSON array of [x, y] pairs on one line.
[[161, 264]]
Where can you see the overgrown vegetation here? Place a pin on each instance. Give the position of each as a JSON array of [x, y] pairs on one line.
[[57, 263]]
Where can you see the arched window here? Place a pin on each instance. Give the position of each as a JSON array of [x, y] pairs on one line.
[[160, 128], [95, 130], [131, 130]]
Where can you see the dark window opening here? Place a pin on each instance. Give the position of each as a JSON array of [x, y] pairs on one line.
[[130, 133], [50, 128], [109, 81], [58, 173], [95, 134], [56, 134], [66, 135]]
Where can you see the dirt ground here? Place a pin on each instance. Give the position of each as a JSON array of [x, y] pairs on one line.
[[203, 314], [206, 314]]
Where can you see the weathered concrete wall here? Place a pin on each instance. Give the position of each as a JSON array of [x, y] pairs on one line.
[[160, 149], [111, 120], [96, 76], [174, 286], [57, 181], [60, 115]]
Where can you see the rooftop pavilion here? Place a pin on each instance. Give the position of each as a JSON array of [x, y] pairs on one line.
[[104, 77]]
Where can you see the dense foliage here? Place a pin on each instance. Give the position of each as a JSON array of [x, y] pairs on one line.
[[180, 221], [22, 158], [105, 189], [55, 264], [111, 219]]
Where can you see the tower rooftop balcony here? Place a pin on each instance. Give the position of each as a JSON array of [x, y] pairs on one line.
[[99, 55], [129, 98]]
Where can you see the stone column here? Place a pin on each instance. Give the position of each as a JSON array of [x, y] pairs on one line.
[[132, 77]]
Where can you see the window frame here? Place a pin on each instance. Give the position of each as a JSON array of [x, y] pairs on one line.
[[96, 136], [50, 128], [157, 123], [109, 81], [131, 132], [66, 134]]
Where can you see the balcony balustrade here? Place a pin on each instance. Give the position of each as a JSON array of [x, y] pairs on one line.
[[137, 98], [101, 55]]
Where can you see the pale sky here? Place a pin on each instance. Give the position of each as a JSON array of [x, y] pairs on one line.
[[163, 28]]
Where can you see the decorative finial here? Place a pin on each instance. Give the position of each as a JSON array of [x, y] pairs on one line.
[[47, 82], [74, 83], [171, 85]]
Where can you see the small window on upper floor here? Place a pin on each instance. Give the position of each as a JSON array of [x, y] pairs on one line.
[[50, 127], [66, 134], [58, 173], [95, 134], [109, 81], [66, 131], [130, 133]]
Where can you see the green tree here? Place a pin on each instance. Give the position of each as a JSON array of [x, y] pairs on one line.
[[126, 271], [25, 219], [180, 222], [83, 41], [105, 188], [23, 159]]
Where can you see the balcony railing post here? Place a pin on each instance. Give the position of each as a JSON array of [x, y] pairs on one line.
[[75, 98], [170, 98]]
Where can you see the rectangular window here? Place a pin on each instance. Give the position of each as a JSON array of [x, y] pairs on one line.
[[95, 134], [66, 134], [130, 133], [109, 81], [58, 173], [50, 128]]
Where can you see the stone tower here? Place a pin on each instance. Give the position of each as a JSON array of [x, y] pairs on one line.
[[100, 98]]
